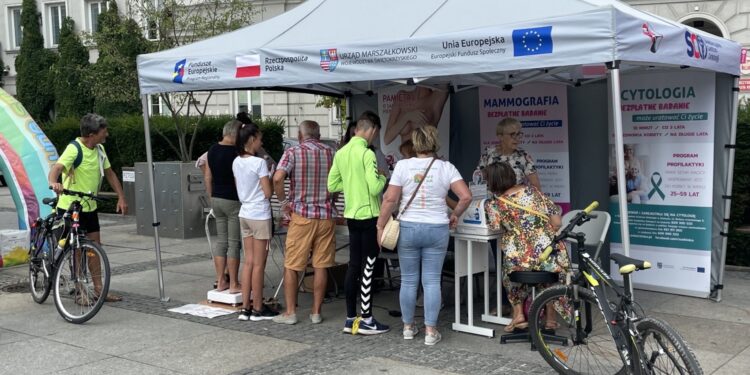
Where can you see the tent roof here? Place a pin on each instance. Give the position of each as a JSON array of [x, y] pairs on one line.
[[324, 45]]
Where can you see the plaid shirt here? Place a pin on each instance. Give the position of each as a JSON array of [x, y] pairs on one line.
[[307, 166]]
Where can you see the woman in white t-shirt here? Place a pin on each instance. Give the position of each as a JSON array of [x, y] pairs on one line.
[[425, 226], [254, 190]]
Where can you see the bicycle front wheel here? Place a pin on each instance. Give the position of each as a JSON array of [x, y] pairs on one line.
[[590, 350], [664, 350], [81, 282]]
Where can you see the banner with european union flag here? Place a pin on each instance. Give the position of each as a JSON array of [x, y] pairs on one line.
[[533, 41], [668, 125]]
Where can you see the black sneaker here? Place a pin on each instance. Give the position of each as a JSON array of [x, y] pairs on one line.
[[265, 313], [372, 328], [244, 314]]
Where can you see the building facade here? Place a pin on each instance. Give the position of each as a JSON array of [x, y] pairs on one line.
[[292, 107]]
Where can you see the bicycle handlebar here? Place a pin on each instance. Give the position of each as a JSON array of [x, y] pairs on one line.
[[577, 220], [83, 195]]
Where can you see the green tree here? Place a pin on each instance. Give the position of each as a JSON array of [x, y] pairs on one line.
[[114, 76], [33, 66], [72, 92], [178, 22]]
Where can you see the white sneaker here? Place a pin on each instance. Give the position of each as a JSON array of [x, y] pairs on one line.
[[316, 318], [432, 339], [410, 332]]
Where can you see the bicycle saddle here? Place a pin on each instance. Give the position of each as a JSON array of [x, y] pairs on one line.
[[628, 264], [50, 201]]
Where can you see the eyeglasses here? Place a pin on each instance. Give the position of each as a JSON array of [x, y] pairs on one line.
[[516, 135]]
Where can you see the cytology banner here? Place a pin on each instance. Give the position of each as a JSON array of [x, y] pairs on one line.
[[403, 109], [668, 125], [542, 109]]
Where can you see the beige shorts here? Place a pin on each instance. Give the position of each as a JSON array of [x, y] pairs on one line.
[[258, 229], [306, 236]]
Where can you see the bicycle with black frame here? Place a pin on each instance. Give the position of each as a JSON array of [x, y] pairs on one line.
[[64, 261], [607, 331]]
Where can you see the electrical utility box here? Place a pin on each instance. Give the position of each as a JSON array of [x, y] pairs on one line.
[[180, 200]]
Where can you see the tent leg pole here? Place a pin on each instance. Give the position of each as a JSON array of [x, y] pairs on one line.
[[150, 173], [620, 155], [614, 76], [730, 178]]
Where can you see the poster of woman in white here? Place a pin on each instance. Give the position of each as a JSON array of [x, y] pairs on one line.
[[668, 122]]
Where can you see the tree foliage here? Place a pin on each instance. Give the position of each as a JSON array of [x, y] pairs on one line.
[[33, 66], [114, 76], [180, 22], [72, 92]]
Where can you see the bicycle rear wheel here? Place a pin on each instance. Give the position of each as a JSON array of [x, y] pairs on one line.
[[594, 352], [40, 282], [81, 282], [665, 350]]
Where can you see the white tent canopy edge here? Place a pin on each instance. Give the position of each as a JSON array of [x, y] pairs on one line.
[[447, 41]]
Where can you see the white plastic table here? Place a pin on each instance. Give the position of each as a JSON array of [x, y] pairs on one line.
[[471, 253]]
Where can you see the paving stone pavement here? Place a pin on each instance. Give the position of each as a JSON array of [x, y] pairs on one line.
[[331, 350]]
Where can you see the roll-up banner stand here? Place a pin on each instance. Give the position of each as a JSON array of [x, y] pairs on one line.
[[542, 109], [403, 109], [668, 126]]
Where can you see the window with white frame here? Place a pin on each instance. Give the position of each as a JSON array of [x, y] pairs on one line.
[[249, 101], [93, 10], [55, 16], [156, 105], [151, 22], [14, 24]]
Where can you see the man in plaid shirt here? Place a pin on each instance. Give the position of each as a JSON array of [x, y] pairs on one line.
[[312, 224]]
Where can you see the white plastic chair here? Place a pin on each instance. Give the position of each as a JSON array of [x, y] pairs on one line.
[[595, 230]]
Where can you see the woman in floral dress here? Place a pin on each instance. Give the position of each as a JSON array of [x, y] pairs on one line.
[[530, 220]]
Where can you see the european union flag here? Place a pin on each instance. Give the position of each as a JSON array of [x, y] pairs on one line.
[[702, 269], [534, 41]]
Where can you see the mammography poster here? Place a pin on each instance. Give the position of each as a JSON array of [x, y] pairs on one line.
[[542, 109]]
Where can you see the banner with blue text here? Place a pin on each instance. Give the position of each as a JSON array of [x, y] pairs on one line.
[[668, 126]]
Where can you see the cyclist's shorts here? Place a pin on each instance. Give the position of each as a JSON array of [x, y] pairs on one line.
[[89, 221]]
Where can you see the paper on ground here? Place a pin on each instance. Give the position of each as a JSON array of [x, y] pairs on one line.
[[201, 310]]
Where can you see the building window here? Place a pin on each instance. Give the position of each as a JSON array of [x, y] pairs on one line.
[[93, 10], [156, 105], [15, 32], [151, 21], [56, 14], [249, 101]]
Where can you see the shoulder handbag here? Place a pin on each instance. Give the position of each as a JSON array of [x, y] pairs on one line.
[[392, 229]]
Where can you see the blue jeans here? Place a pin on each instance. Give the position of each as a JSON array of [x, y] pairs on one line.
[[423, 244]]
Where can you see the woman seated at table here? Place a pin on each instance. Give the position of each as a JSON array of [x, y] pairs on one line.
[[530, 220]]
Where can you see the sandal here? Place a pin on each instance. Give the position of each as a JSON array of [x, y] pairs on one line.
[[111, 297], [513, 326], [551, 325]]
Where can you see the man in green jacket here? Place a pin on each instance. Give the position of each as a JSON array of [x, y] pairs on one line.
[[355, 172]]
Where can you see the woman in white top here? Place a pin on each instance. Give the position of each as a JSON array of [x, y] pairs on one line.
[[424, 226], [254, 191]]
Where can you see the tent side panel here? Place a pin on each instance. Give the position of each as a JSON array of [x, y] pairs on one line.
[[722, 135]]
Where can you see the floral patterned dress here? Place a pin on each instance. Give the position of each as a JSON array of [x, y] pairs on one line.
[[524, 215]]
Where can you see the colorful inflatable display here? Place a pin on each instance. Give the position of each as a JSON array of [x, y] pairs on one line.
[[26, 155]]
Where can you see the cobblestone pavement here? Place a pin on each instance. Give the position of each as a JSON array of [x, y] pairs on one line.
[[330, 349]]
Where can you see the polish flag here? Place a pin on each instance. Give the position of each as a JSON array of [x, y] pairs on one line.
[[247, 66]]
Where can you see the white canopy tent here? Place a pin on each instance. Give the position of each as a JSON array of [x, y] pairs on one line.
[[345, 47]]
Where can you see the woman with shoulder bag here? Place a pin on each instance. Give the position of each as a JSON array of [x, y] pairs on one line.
[[422, 183]]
